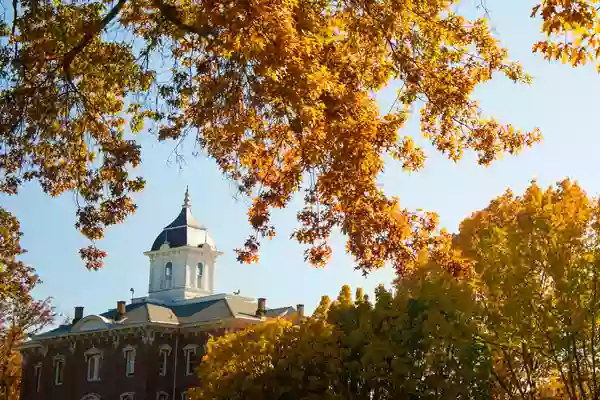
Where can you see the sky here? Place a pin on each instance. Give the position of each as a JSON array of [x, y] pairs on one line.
[[562, 102]]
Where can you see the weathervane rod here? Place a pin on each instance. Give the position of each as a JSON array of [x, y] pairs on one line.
[[186, 200]]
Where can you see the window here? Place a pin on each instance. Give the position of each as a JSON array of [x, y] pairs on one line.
[[190, 360], [184, 395], [168, 275], [59, 370], [93, 366], [127, 396], [37, 372], [199, 276], [129, 354], [162, 396], [91, 396], [163, 354]]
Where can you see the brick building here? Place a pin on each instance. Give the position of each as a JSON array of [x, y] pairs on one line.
[[148, 349]]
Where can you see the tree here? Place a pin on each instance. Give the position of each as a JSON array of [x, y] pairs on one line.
[[536, 266], [506, 309], [19, 318], [277, 92], [20, 314], [571, 29], [420, 343], [274, 360]]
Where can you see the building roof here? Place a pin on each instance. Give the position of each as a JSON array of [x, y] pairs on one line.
[[200, 311], [185, 230]]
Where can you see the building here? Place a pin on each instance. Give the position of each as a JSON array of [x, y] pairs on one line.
[[147, 349]]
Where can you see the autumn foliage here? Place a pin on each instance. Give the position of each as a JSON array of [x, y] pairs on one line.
[[536, 259], [521, 324], [20, 313], [572, 29], [403, 346], [277, 92]]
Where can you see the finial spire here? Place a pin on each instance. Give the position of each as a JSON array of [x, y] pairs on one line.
[[186, 200]]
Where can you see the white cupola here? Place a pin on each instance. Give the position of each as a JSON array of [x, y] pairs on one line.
[[182, 259]]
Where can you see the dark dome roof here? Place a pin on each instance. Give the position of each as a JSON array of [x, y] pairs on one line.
[[185, 230]]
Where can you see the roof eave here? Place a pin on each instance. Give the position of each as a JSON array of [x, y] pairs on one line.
[[31, 344], [203, 324], [173, 249]]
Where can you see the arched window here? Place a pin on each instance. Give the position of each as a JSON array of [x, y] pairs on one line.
[[168, 275], [91, 396], [129, 354], [162, 396], [199, 275], [164, 352], [38, 376], [94, 361], [189, 352], [59, 369]]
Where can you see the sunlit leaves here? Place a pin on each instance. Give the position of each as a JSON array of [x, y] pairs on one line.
[[535, 261], [277, 92], [20, 314], [419, 343], [62, 113], [505, 309], [572, 28]]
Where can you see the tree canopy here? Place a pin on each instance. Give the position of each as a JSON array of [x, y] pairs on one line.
[[571, 28], [536, 264], [277, 92], [417, 343], [20, 313], [519, 322]]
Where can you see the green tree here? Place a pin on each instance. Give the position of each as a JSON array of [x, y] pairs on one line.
[[420, 343], [536, 268], [274, 360], [423, 341]]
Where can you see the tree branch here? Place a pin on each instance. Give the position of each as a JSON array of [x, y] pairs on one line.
[[171, 14], [89, 36]]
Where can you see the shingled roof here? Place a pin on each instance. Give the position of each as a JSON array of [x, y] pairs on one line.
[[185, 230]]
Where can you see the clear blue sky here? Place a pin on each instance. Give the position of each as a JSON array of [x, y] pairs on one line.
[[562, 102]]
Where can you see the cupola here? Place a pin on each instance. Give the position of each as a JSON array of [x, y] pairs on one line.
[[182, 259]]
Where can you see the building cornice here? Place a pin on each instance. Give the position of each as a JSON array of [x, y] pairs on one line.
[[141, 328], [176, 250]]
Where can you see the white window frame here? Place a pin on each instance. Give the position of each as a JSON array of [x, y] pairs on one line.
[[167, 278], [163, 353], [189, 351], [59, 370], [129, 354], [37, 372], [93, 355], [127, 396], [161, 393]]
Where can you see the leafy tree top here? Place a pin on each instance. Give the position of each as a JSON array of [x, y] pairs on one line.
[[277, 92]]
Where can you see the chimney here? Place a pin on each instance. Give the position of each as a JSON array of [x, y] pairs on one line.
[[300, 310], [260, 311], [78, 314], [120, 310]]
